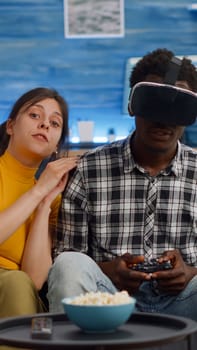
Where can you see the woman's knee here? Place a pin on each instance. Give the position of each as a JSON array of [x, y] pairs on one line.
[[18, 294], [15, 280]]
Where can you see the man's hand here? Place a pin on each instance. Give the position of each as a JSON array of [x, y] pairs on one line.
[[173, 281], [122, 276]]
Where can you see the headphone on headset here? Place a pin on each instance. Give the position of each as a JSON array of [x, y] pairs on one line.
[[164, 103]]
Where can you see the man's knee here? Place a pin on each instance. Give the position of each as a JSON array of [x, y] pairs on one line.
[[71, 263]]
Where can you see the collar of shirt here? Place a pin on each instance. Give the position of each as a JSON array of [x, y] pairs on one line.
[[129, 163]]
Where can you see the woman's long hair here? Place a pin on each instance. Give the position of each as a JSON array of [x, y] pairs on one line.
[[28, 99]]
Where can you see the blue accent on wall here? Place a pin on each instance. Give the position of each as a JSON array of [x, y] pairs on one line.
[[89, 73]]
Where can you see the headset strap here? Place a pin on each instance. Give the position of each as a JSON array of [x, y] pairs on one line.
[[173, 71]]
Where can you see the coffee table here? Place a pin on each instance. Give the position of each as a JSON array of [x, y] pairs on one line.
[[142, 330]]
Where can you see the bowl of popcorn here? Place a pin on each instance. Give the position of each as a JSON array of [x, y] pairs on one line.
[[97, 312]]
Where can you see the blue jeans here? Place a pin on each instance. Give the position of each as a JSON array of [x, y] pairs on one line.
[[75, 273]]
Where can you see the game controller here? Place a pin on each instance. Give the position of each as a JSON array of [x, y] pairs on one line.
[[151, 266]]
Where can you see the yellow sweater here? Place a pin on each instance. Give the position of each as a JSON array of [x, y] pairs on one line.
[[16, 179]]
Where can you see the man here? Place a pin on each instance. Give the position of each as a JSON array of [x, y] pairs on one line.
[[135, 200]]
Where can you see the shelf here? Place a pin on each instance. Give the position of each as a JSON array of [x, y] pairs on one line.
[[84, 145]]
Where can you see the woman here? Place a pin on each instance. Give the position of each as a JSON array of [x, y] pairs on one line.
[[36, 128]]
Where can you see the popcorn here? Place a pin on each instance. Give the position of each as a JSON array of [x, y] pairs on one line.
[[100, 298]]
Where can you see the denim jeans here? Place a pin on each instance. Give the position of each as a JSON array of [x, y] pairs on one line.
[[75, 273]]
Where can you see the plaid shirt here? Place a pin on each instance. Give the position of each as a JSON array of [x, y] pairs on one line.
[[104, 206]]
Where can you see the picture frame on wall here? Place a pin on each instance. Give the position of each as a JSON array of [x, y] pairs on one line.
[[93, 18]]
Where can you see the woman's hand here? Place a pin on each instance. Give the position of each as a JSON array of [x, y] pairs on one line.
[[55, 176], [50, 183]]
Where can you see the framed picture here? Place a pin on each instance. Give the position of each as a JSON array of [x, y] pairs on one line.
[[93, 18]]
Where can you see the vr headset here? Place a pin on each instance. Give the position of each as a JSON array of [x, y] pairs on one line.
[[164, 103]]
